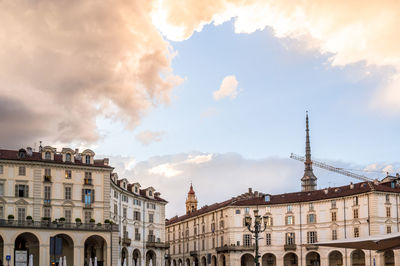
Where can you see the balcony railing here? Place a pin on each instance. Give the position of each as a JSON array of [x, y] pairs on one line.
[[47, 202], [88, 206], [87, 181], [59, 225], [47, 178], [289, 247], [234, 248], [126, 241], [151, 238]]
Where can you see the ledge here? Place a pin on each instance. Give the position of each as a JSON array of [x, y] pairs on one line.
[[289, 247], [160, 245], [226, 249]]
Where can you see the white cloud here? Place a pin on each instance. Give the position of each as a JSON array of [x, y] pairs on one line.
[[165, 169], [148, 137], [227, 89], [198, 159]]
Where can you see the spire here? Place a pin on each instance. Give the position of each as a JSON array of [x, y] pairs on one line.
[[191, 191], [191, 200], [309, 180]]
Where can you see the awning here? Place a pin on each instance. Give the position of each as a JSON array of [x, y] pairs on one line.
[[376, 242]]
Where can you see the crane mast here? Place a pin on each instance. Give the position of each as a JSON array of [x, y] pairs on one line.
[[332, 168]]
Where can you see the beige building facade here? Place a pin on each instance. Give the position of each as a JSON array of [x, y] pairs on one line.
[[63, 194]]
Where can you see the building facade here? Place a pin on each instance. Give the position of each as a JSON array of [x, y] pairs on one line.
[[64, 197], [293, 222], [140, 214]]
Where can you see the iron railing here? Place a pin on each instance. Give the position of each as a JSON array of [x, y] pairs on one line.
[[58, 225]]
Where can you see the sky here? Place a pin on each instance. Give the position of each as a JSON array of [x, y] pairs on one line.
[[209, 92]]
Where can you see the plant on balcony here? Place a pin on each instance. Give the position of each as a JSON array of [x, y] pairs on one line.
[[106, 221], [61, 219], [98, 224], [78, 221], [10, 217], [29, 217], [92, 221]]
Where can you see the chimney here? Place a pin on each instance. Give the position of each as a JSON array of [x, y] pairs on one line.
[[250, 190], [157, 194], [351, 185], [29, 151]]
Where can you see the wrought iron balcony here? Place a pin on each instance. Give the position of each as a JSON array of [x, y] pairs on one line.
[[289, 247], [126, 241], [311, 247], [194, 253], [57, 225], [47, 178], [151, 238], [234, 248], [47, 202], [87, 181]]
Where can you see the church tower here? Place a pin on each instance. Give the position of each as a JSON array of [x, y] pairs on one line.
[[309, 180], [191, 201]]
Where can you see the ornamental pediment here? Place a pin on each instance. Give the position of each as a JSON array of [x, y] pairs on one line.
[[68, 203], [21, 202]]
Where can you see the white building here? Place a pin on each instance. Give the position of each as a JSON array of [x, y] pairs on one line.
[[61, 194], [140, 214]]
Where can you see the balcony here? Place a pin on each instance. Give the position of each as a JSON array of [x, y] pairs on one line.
[[137, 237], [47, 178], [88, 182], [151, 238], [291, 247], [234, 248], [88, 206], [47, 202], [194, 253], [152, 243], [47, 225], [126, 241], [311, 247]]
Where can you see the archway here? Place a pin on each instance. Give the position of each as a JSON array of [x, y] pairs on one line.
[[389, 257], [26, 244], [174, 263], [67, 249], [151, 256], [357, 258], [213, 261], [187, 262], [290, 259], [1, 250], [222, 260], [313, 259], [247, 260], [180, 262], [124, 256], [96, 248], [268, 259], [196, 261], [335, 258], [203, 261], [136, 258]]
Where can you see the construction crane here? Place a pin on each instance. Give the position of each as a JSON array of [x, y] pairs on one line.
[[332, 168]]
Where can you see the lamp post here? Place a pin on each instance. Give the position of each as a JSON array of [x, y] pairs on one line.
[[258, 219]]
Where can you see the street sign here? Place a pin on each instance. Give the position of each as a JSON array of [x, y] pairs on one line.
[[8, 257]]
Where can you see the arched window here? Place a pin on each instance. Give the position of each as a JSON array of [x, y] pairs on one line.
[[47, 155], [68, 157], [87, 158]]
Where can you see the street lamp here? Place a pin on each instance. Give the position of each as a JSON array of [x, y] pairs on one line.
[[258, 219]]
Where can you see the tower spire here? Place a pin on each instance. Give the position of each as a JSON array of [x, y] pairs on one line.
[[309, 180], [191, 200]]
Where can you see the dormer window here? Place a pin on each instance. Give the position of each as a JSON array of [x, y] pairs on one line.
[[150, 193], [136, 189], [68, 157], [87, 159], [21, 154], [47, 155]]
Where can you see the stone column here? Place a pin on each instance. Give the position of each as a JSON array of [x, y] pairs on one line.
[[44, 257], [79, 255]]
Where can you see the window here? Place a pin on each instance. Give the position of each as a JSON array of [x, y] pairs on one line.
[[124, 212], [87, 159], [21, 214], [47, 212], [88, 216], [88, 178], [150, 193], [136, 216], [289, 208], [47, 155], [289, 220], [47, 194], [356, 232], [355, 213], [151, 206], [221, 224], [387, 198], [312, 218], [115, 209], [47, 172], [268, 239], [202, 244], [290, 239], [87, 197], [136, 189], [68, 157], [203, 228], [222, 241], [246, 210], [311, 207], [388, 229], [124, 198], [237, 211], [267, 198], [333, 204], [333, 216], [137, 202], [194, 246], [213, 227], [68, 216], [1, 212], [269, 221], [334, 234], [137, 235], [22, 191], [67, 193], [388, 214], [1, 189], [68, 174], [247, 240], [311, 237], [268, 209], [21, 171], [355, 200], [1, 170]]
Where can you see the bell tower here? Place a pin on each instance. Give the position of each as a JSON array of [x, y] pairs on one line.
[[309, 180], [191, 201]]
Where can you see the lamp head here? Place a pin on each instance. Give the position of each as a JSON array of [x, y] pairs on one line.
[[247, 220]]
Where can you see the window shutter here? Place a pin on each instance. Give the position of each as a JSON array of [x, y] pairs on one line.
[[92, 195], [27, 191], [83, 195], [16, 190]]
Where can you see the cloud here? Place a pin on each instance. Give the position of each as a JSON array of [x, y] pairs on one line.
[[148, 137], [63, 64], [227, 89], [349, 31]]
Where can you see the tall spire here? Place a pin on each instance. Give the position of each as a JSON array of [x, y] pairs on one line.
[[191, 200], [309, 180]]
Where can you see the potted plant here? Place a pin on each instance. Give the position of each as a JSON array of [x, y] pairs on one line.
[[92, 221], [61, 221], [45, 220], [29, 219], [10, 218], [106, 221], [78, 221], [98, 224]]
